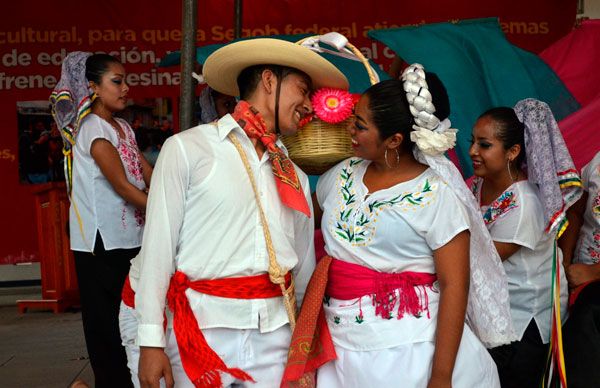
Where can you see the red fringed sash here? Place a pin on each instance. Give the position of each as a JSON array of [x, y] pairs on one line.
[[311, 344], [349, 281], [201, 364], [127, 294]]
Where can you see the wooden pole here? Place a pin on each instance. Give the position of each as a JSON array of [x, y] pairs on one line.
[[238, 19], [188, 59]]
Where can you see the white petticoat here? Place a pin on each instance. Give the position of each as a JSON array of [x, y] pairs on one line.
[[408, 366]]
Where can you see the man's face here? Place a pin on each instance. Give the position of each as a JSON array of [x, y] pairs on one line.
[[294, 102]]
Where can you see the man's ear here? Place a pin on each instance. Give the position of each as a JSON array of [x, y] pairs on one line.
[[268, 80]]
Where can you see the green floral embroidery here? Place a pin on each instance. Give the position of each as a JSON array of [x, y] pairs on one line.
[[326, 300], [348, 181], [358, 229], [336, 320], [390, 315], [417, 315], [410, 198], [359, 319]]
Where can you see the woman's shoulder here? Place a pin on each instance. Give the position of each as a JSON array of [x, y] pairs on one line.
[[430, 180], [91, 120], [93, 127], [527, 191], [345, 167], [525, 196]]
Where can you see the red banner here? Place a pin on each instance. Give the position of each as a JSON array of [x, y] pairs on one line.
[[36, 35]]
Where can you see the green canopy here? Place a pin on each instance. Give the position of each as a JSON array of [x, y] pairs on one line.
[[480, 70], [353, 70]]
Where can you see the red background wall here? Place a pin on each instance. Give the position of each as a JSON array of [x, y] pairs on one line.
[[35, 35]]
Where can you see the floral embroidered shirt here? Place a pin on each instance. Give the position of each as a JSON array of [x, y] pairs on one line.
[[391, 230], [588, 246], [95, 204], [516, 217]]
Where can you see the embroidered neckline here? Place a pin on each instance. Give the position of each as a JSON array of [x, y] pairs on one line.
[[360, 229], [500, 206]]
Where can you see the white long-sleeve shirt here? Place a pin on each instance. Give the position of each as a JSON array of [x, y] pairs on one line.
[[202, 219]]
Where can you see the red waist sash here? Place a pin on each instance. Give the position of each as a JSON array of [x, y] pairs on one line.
[[128, 295], [200, 362], [311, 344], [351, 281]]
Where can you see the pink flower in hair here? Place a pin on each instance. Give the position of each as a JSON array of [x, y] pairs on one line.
[[332, 105]]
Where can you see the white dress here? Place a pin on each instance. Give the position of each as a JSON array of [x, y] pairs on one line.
[[392, 230], [517, 217]]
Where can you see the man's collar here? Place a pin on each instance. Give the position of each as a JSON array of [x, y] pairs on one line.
[[226, 124]]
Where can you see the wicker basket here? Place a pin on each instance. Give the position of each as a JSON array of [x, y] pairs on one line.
[[319, 145]]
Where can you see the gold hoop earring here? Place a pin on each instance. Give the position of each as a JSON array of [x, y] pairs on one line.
[[508, 168], [386, 160]]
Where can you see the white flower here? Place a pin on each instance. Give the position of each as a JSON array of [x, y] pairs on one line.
[[432, 142]]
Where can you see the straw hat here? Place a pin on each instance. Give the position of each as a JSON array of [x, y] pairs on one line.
[[223, 67]]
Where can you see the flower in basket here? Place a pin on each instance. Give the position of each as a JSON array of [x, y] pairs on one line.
[[305, 120], [332, 105]]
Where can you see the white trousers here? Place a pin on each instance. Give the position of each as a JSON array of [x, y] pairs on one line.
[[262, 355], [408, 366], [128, 324]]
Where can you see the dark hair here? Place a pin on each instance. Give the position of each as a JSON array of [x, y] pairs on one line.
[[509, 130], [439, 96], [96, 65], [390, 111], [250, 77]]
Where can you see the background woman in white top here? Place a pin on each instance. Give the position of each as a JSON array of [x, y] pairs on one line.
[[523, 212], [581, 247], [108, 199]]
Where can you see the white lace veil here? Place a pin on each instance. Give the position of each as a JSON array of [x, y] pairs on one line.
[[488, 309]]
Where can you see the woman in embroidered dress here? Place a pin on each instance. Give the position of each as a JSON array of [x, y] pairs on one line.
[[523, 210], [397, 236], [108, 198]]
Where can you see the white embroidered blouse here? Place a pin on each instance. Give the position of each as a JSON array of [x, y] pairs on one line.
[[96, 206], [516, 217], [391, 230]]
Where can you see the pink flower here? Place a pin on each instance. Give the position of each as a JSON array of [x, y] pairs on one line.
[[332, 105], [305, 120]]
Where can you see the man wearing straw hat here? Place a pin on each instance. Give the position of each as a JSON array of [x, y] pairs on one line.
[[229, 227]]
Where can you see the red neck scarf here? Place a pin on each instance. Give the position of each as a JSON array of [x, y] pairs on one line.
[[288, 184]]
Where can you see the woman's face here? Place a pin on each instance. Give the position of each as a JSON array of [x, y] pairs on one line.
[[365, 135], [112, 89], [223, 103], [487, 151]]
